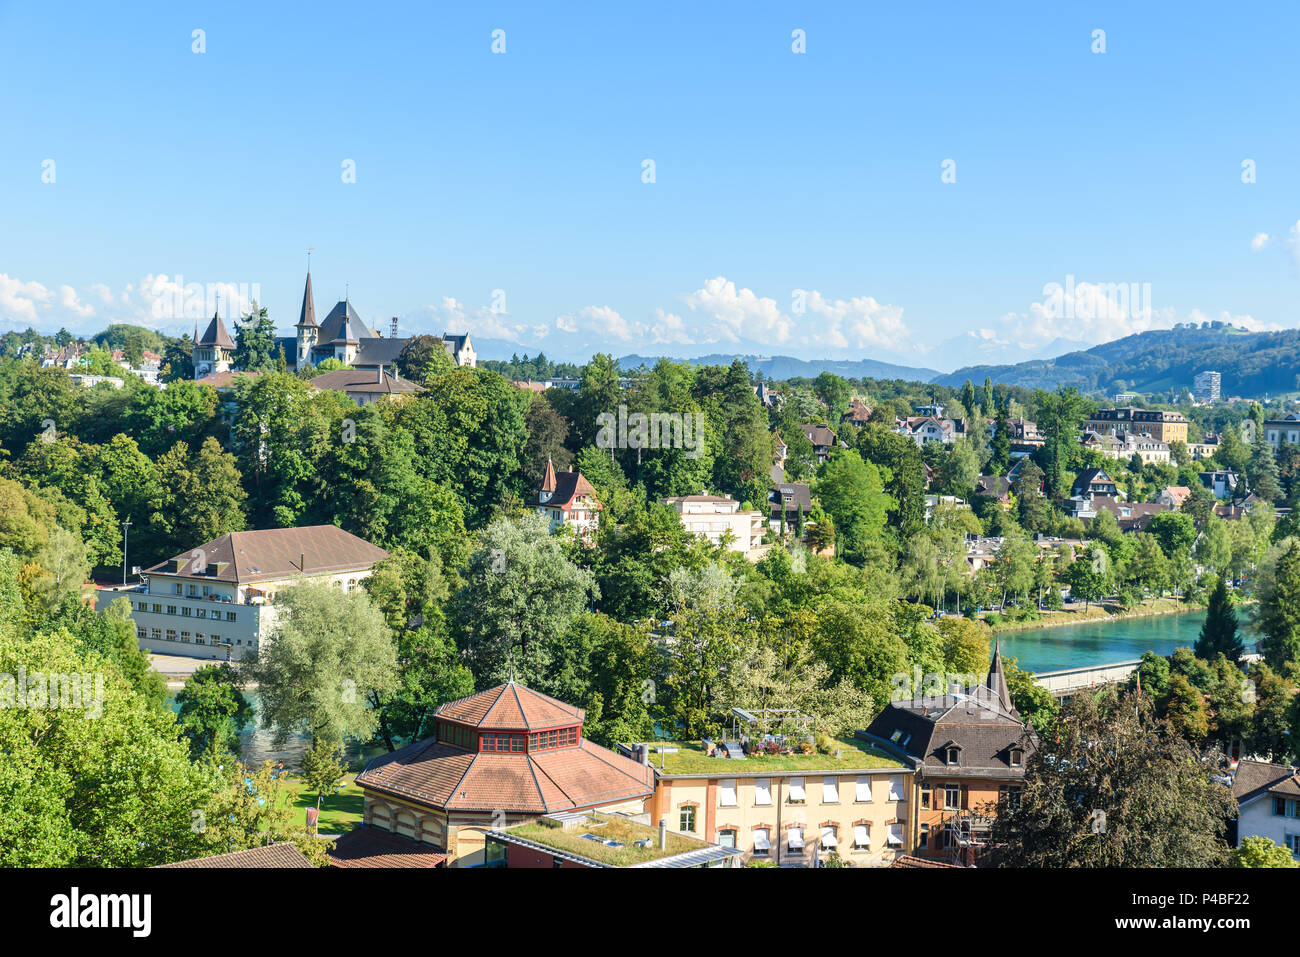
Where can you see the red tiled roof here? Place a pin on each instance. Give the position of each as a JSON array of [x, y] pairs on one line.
[[276, 855], [372, 847], [440, 775], [511, 707], [911, 860]]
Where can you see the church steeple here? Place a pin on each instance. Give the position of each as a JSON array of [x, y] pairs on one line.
[[548, 481], [308, 330], [996, 682], [308, 315]]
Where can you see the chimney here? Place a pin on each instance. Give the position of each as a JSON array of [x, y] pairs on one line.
[[302, 562], [379, 376], [663, 834]]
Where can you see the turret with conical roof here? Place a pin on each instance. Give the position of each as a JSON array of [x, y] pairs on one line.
[[213, 350]]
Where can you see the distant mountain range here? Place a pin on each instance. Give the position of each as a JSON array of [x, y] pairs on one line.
[[788, 367], [1253, 364]]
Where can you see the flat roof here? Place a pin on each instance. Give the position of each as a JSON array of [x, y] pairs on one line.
[[611, 840], [690, 760]]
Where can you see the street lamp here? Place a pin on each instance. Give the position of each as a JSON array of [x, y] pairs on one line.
[[126, 527]]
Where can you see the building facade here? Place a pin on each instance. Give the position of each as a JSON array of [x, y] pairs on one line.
[[720, 519], [1268, 803], [1167, 427], [792, 818], [967, 750], [216, 601], [1206, 386], [567, 500]]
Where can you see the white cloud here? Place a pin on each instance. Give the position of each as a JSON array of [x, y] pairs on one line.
[[21, 301], [1260, 241], [740, 314], [599, 321]]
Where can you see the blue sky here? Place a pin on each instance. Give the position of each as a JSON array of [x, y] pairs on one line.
[[774, 171]]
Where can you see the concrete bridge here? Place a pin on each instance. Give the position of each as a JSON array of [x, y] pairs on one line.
[[1069, 680]]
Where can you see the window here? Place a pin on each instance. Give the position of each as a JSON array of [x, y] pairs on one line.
[[688, 820], [1017, 757], [794, 838], [896, 787], [952, 755], [171, 634], [796, 791], [727, 793], [200, 613], [187, 611], [155, 633], [727, 838], [762, 791], [185, 637], [1283, 807], [230, 616], [762, 842], [830, 791], [925, 837], [861, 837], [141, 606], [949, 837], [176, 588], [198, 640], [952, 796], [157, 609], [829, 838], [1293, 842], [1013, 799], [171, 609], [863, 793], [141, 633], [925, 795], [895, 838]]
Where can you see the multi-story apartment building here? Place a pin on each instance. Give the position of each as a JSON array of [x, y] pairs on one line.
[[967, 751], [1268, 803], [716, 517], [215, 601], [1206, 386], [1167, 427], [790, 809]]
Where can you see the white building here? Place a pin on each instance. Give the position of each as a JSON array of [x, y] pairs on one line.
[[716, 517], [215, 601], [1277, 431], [1206, 385], [568, 500], [1268, 802]]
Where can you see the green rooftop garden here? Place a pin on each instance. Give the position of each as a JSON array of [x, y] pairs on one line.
[[690, 758], [607, 827]]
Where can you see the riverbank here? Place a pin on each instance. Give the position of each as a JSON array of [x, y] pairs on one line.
[[1099, 613]]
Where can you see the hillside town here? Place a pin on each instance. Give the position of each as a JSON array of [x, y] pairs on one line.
[[670, 616]]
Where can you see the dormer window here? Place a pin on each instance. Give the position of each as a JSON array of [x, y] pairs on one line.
[[951, 753], [1017, 757]]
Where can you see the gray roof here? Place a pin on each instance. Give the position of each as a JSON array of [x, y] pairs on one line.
[[332, 327], [307, 317], [216, 334], [1254, 779]]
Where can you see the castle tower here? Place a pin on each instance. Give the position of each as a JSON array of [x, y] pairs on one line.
[[213, 350]]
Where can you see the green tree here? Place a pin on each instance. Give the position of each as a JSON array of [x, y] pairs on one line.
[[255, 342], [1219, 635], [1111, 786], [1278, 614], [424, 357], [1059, 416], [1255, 850], [852, 492], [213, 710], [520, 597], [328, 652]]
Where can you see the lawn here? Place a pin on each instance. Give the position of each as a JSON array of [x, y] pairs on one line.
[[340, 812], [691, 759]]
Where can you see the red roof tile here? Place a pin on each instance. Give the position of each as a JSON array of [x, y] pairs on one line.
[[510, 707], [371, 847]]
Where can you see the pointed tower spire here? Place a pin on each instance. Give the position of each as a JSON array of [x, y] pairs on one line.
[[548, 482], [997, 680], [307, 318]]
